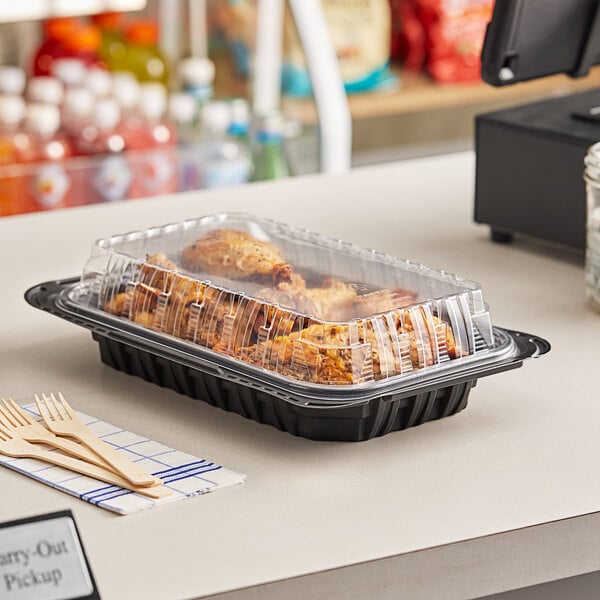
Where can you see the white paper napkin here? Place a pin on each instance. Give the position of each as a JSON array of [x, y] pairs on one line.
[[185, 475]]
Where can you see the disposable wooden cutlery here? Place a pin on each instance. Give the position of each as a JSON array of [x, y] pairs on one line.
[[19, 448], [24, 426], [61, 419]]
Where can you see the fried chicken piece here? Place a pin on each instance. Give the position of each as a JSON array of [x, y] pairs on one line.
[[236, 255], [157, 270], [377, 302], [350, 353], [329, 302]]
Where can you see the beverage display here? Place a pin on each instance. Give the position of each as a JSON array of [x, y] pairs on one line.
[[54, 33], [117, 127], [76, 112], [111, 175], [70, 71], [155, 170], [197, 75], [142, 56], [12, 80], [84, 43], [45, 90], [13, 147], [99, 82], [49, 185], [223, 161], [182, 111], [270, 161], [112, 46]]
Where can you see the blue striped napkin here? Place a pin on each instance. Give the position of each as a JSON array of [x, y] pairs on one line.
[[185, 475]]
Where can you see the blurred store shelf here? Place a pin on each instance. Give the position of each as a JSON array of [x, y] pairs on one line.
[[30, 10], [419, 93]]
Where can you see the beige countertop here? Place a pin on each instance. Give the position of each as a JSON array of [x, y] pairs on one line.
[[504, 494]]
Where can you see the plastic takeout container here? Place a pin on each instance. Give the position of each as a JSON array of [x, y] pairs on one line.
[[315, 336]]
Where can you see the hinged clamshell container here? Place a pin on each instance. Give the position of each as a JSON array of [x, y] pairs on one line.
[[286, 314]]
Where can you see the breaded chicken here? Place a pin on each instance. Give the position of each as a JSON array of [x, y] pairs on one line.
[[236, 255]]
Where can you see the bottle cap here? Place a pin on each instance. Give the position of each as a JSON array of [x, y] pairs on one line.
[[216, 116], [12, 80], [71, 71], [268, 127], [240, 111], [99, 82], [143, 32], [59, 28], [12, 110], [153, 100], [106, 114], [84, 38], [108, 20], [47, 90], [182, 108], [197, 71], [78, 103], [126, 89], [43, 119]]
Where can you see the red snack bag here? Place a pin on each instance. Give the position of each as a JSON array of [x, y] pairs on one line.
[[455, 30], [408, 35]]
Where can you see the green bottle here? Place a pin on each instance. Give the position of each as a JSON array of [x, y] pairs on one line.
[[270, 161]]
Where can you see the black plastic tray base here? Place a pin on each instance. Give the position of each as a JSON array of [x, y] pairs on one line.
[[331, 416], [340, 423]]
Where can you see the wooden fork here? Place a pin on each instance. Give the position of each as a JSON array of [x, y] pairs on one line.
[[19, 448], [60, 418], [23, 426]]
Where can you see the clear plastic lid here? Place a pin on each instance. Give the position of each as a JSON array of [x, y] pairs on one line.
[[287, 301], [12, 80], [46, 90]]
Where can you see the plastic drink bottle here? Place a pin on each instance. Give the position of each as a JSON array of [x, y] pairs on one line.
[[55, 32], [112, 47], [182, 111], [126, 91], [155, 169], [270, 161], [84, 43], [142, 56], [154, 130], [13, 146], [224, 162], [76, 112], [197, 76], [50, 184], [12, 80], [45, 90], [70, 71], [99, 82], [111, 175]]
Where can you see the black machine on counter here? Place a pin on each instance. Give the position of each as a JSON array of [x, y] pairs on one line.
[[529, 174]]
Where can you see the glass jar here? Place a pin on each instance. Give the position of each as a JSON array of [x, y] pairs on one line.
[[592, 253]]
